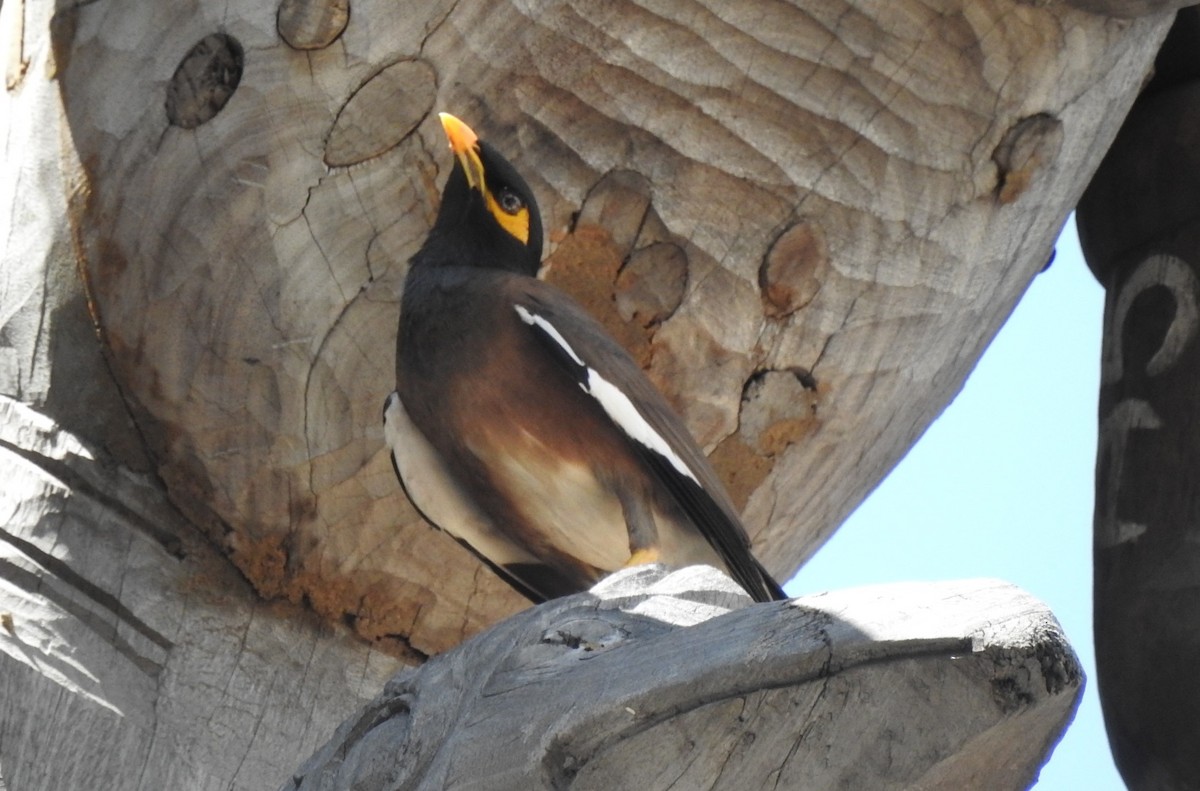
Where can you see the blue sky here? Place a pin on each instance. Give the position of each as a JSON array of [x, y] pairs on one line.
[[1001, 486]]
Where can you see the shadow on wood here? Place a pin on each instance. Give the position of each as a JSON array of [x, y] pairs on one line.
[[919, 685], [132, 656]]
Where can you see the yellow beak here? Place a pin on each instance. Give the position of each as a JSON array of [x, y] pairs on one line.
[[465, 145]]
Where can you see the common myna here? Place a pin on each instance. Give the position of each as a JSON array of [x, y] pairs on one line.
[[520, 427]]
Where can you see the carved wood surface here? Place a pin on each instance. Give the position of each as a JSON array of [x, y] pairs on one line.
[[132, 656], [1139, 223], [807, 222], [937, 685]]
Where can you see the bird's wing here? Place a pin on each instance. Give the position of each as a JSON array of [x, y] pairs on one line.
[[446, 505], [606, 372]]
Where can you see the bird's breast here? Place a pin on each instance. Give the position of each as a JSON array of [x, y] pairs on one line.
[[562, 502]]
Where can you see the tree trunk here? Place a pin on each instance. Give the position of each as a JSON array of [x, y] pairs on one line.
[[807, 223]]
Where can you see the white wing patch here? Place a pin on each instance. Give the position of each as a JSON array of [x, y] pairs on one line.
[[534, 320], [615, 404]]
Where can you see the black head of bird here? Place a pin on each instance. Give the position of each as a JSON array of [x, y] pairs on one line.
[[488, 214], [519, 425]]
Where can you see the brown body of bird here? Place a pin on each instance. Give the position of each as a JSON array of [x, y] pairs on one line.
[[521, 428]]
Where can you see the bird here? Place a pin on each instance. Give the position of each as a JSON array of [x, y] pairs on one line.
[[520, 427]]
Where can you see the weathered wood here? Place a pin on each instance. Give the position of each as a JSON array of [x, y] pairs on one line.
[[132, 656], [205, 211], [1127, 9], [945, 685], [1139, 223], [851, 199]]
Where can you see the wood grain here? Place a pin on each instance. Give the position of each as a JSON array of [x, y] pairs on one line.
[[243, 274], [931, 686], [132, 656]]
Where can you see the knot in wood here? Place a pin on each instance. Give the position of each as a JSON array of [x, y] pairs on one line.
[[793, 270], [312, 24], [618, 203], [1029, 145], [204, 80], [651, 285], [778, 409], [381, 113], [585, 634]]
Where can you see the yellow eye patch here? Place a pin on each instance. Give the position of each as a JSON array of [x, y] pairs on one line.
[[516, 224]]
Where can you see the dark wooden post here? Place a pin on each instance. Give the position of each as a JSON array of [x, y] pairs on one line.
[[1140, 227]]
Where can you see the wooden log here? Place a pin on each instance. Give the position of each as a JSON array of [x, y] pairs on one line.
[[131, 655], [656, 681], [1139, 223], [846, 201], [206, 210]]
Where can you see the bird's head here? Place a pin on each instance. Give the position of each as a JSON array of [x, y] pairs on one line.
[[488, 216]]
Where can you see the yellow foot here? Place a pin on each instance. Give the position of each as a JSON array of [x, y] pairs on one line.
[[643, 556]]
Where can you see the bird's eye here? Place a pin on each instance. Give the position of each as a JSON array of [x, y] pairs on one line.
[[510, 201]]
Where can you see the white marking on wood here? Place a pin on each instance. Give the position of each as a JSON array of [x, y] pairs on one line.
[[1129, 531], [615, 403], [1127, 416], [1178, 278]]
